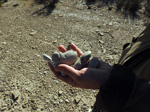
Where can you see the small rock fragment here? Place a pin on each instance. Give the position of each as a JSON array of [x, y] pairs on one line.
[[51, 110], [60, 93], [101, 34], [66, 100], [97, 31], [57, 81], [45, 72], [55, 41], [47, 58], [15, 5], [82, 61], [60, 101], [90, 110], [109, 57], [100, 41], [104, 50], [33, 33], [4, 43]]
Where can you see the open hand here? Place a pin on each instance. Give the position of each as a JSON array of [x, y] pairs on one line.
[[88, 78]]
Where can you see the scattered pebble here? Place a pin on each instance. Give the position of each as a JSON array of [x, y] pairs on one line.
[[55, 41], [90, 110], [7, 51], [60, 15], [4, 43], [60, 93], [15, 5], [97, 31], [94, 91], [57, 82], [60, 101], [45, 72], [101, 34], [66, 100], [51, 110], [27, 88], [33, 33], [109, 57], [101, 42], [37, 55]]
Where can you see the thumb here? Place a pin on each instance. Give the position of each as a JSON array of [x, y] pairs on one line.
[[68, 70]]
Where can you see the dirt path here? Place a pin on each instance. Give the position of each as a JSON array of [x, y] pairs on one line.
[[26, 82]]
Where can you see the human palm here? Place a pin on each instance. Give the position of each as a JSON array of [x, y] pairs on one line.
[[89, 78]]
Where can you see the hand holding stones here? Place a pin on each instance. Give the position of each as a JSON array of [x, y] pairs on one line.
[[71, 58]]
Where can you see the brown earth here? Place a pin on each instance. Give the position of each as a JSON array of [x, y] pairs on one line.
[[27, 31]]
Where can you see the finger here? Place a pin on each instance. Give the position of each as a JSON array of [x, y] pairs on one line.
[[68, 70], [62, 48], [75, 48]]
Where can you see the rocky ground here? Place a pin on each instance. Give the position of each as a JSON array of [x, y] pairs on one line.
[[28, 30]]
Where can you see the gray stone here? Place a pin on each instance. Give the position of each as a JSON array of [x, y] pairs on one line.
[[82, 61]]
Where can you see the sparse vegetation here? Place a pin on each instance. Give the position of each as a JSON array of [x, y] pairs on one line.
[[128, 7]]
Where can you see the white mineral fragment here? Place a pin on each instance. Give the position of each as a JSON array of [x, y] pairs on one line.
[[47, 58]]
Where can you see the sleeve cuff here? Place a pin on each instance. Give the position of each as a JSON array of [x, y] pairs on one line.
[[116, 91]]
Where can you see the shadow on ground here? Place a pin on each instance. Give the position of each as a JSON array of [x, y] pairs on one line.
[[49, 6], [46, 10], [129, 8]]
